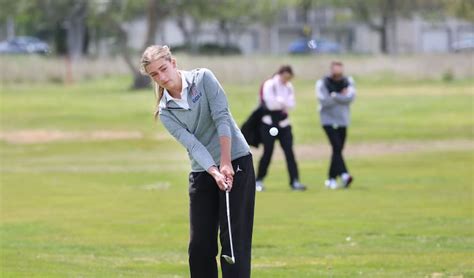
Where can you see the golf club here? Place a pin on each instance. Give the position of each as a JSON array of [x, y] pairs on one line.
[[229, 259]]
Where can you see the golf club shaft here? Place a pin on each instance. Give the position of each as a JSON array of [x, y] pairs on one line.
[[228, 223]]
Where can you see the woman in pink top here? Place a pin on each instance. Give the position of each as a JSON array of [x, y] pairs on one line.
[[278, 97]]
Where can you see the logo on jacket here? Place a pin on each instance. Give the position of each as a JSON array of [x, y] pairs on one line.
[[195, 94]]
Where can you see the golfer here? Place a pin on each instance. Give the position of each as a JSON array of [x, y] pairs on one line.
[[335, 93], [193, 107], [278, 97]]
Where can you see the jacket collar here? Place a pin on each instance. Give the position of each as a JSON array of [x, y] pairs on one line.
[[167, 99]]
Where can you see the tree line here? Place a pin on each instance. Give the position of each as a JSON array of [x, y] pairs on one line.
[[72, 25]]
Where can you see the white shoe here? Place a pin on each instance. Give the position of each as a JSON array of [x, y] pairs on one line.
[[259, 186], [331, 184], [297, 186]]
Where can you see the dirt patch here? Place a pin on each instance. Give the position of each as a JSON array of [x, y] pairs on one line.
[[46, 136], [323, 151], [302, 152]]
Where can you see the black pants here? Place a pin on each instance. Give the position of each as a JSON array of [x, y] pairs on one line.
[[286, 141], [337, 138], [208, 215]]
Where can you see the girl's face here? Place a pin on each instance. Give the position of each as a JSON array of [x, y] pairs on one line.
[[285, 77], [163, 72]]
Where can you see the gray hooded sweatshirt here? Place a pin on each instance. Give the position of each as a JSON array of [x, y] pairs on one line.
[[334, 109], [207, 117]]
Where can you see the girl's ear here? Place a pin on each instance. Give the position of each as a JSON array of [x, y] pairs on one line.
[[173, 62]]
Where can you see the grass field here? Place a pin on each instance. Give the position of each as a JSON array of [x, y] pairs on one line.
[[72, 206]]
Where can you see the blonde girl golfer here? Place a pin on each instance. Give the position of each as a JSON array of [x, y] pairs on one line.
[[193, 107]]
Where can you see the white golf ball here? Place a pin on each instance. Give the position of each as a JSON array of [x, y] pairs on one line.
[[273, 131]]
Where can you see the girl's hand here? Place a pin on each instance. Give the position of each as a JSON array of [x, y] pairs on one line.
[[220, 179], [227, 170]]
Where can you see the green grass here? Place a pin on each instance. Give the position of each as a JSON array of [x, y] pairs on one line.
[[120, 208], [412, 111]]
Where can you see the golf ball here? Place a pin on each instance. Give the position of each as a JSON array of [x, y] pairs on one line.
[[273, 131]]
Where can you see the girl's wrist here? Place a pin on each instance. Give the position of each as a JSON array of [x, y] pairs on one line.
[[213, 170], [225, 161]]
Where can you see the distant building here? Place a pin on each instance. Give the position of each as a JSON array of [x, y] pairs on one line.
[[414, 35]]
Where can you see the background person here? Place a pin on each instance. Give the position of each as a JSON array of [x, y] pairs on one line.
[[335, 93], [278, 98]]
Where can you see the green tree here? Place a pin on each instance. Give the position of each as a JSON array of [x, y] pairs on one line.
[[190, 15], [382, 15], [45, 18], [379, 15], [231, 16], [461, 8], [109, 20]]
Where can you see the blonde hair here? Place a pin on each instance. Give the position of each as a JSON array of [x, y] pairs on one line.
[[151, 54]]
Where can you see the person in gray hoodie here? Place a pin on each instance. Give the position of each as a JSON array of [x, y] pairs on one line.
[[335, 93], [193, 107]]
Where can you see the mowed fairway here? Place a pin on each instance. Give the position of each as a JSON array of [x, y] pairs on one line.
[[92, 187]]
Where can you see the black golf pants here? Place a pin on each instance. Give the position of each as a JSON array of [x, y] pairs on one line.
[[337, 138], [208, 216]]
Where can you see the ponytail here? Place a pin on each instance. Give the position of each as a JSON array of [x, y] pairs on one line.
[[159, 91], [153, 53]]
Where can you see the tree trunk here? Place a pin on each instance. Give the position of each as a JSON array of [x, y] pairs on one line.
[[76, 28], [383, 28], [387, 11], [189, 35], [224, 29], [182, 26], [387, 38], [141, 81], [152, 23], [383, 40], [10, 27], [196, 26]]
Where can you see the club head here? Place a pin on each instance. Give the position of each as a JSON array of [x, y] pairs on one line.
[[228, 259]]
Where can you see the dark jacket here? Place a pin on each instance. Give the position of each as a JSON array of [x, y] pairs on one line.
[[251, 128]]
